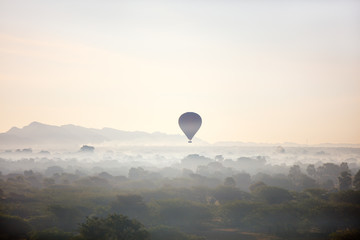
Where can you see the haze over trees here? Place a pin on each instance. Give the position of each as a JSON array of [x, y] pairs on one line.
[[162, 193]]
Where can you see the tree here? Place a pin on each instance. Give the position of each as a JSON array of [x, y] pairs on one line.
[[273, 195], [13, 227], [67, 218], [130, 205], [328, 184], [316, 193], [347, 234], [295, 173], [306, 182], [229, 182], [344, 167], [48, 182], [282, 220], [255, 187], [280, 149], [345, 180], [28, 173], [194, 160], [243, 181], [350, 196], [181, 213], [50, 171], [86, 148], [234, 212], [166, 233], [227, 194], [137, 173], [311, 170], [356, 182], [53, 234], [114, 227], [328, 171]]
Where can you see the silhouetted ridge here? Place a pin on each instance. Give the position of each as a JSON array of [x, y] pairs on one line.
[[37, 133]]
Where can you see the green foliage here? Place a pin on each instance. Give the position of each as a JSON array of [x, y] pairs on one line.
[[356, 182], [68, 217], [197, 194], [13, 227], [294, 172], [170, 233], [229, 182], [273, 195], [181, 213], [43, 222], [311, 170], [93, 182], [115, 227], [48, 182], [130, 205], [53, 234], [227, 193], [235, 212], [348, 234], [243, 181], [316, 193], [345, 180], [327, 216], [349, 196], [256, 186], [305, 214], [281, 219]]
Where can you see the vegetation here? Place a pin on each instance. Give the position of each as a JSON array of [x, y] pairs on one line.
[[115, 227], [62, 206]]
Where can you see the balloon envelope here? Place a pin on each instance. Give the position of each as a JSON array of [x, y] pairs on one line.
[[190, 123]]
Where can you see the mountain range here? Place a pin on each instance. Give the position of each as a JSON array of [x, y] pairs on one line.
[[39, 134]]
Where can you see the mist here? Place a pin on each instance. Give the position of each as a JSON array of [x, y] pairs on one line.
[[179, 120], [187, 191]]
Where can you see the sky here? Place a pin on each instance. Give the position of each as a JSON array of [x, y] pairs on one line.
[[256, 71]]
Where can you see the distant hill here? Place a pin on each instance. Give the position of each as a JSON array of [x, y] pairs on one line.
[[39, 134]]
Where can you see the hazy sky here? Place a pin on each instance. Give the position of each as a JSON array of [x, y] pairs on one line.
[[262, 71]]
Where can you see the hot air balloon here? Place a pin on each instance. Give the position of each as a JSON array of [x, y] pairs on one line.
[[190, 123]]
